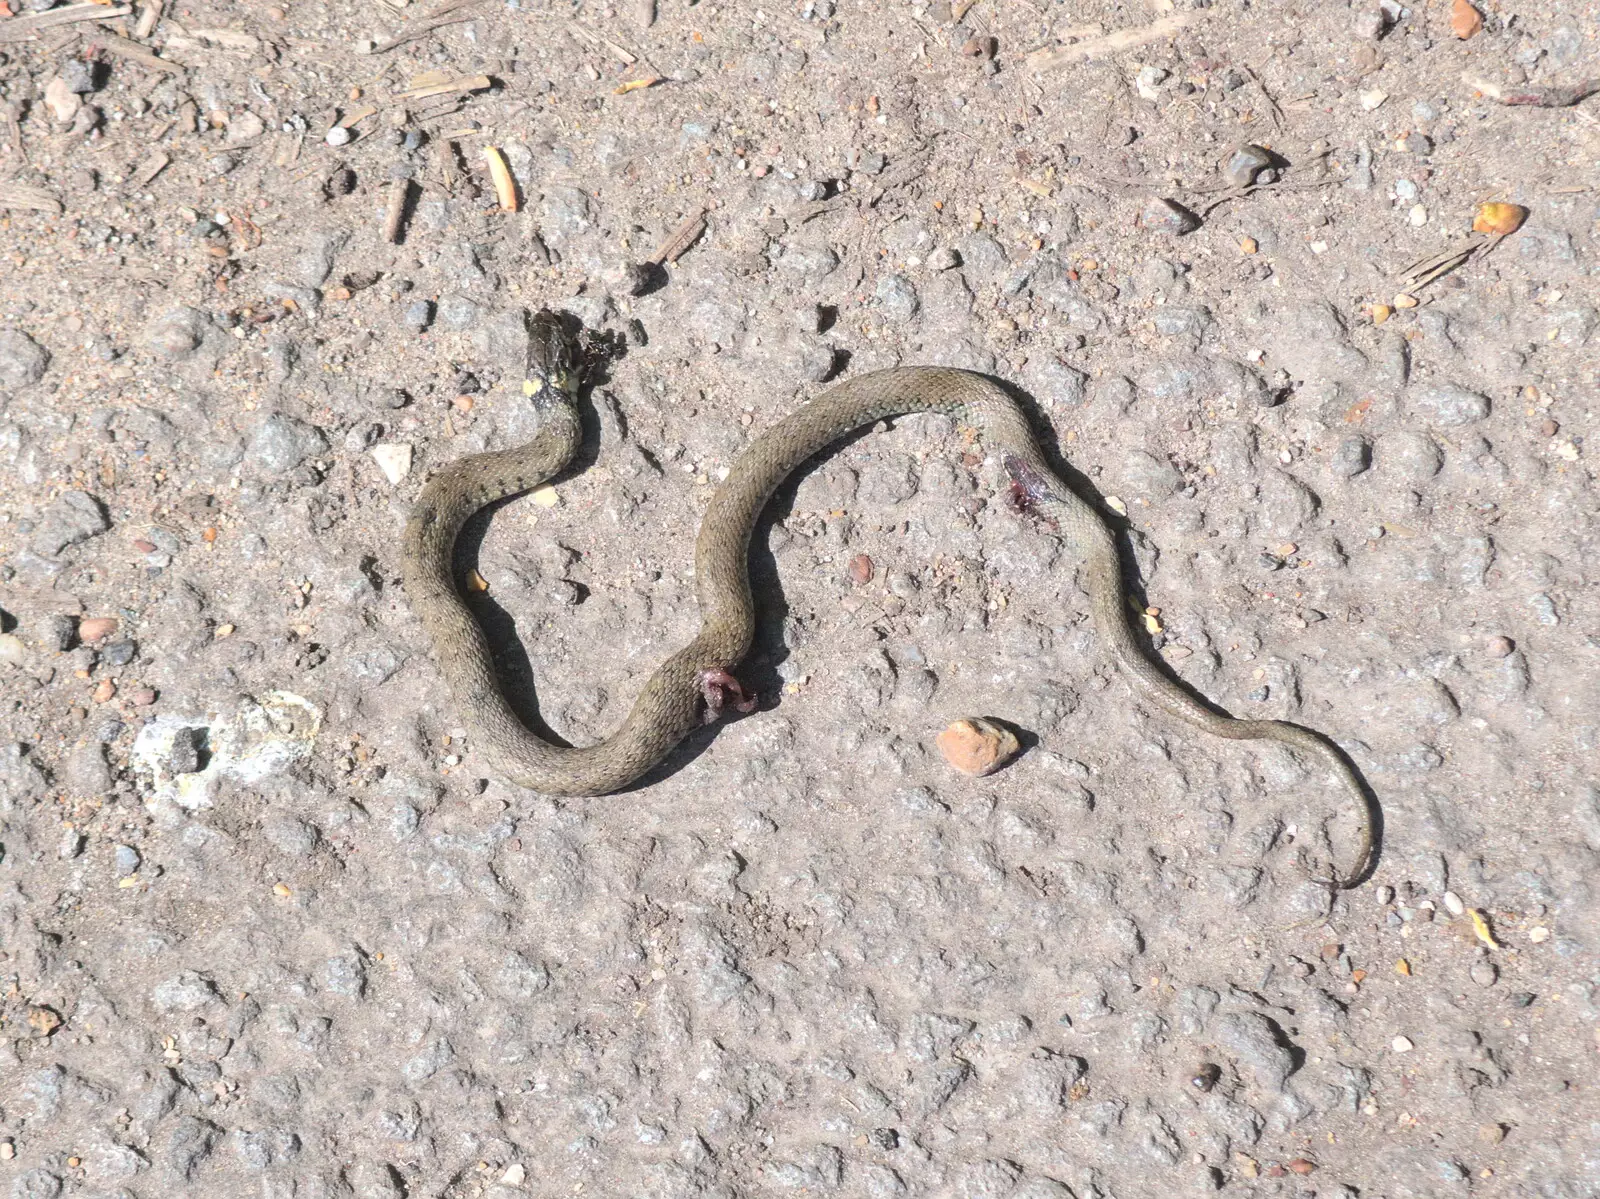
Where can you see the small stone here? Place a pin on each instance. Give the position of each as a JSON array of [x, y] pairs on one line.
[[1148, 81], [1465, 20], [394, 459], [184, 756], [1405, 300], [1418, 216], [978, 746], [1352, 456], [1384, 896], [871, 163], [896, 297], [1485, 974], [1538, 934], [1205, 1077], [1402, 1045], [72, 842], [338, 136], [1491, 1134], [417, 315], [1498, 218], [1449, 405], [458, 312], [1372, 98], [12, 650], [515, 1175], [811, 191], [22, 360], [56, 632], [1371, 24], [127, 861], [1245, 163], [8, 1150], [281, 443], [119, 653], [861, 570], [63, 103], [96, 628], [1453, 904], [1167, 216], [943, 259]]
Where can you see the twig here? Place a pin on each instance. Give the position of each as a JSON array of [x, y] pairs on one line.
[[394, 217], [681, 238], [122, 47], [149, 14], [1436, 266], [1534, 97], [1272, 105], [1112, 43], [19, 28], [1286, 185], [421, 30]]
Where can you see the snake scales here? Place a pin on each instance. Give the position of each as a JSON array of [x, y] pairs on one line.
[[693, 683]]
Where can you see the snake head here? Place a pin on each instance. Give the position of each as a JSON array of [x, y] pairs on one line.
[[552, 360]]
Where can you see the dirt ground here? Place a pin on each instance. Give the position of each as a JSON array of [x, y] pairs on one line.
[[266, 928]]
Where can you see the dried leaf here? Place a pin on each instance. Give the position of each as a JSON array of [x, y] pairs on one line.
[[1480, 926]]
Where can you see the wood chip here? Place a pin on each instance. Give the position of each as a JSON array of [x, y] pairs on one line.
[[149, 14], [151, 169], [20, 28], [26, 196], [395, 215], [465, 83], [634, 85], [681, 238], [1113, 43]]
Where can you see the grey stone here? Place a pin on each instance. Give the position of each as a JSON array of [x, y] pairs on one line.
[[1448, 405], [1254, 1040], [127, 861], [75, 516], [188, 1143], [808, 260], [314, 264], [1351, 456], [281, 443], [1245, 163], [186, 992], [1167, 216], [457, 312], [417, 315], [57, 632], [896, 298], [22, 360]]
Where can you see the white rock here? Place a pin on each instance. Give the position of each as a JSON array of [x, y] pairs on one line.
[[515, 1175], [1453, 904], [1402, 1045], [61, 100], [394, 459], [1371, 99]]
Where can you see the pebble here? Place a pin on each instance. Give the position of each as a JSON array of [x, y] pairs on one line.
[[1485, 974], [417, 315], [1372, 98], [22, 360], [12, 650], [281, 443], [96, 628], [1384, 895], [1371, 24], [63, 103], [394, 459], [872, 163], [1402, 1045], [119, 653], [1167, 216], [1149, 80], [1453, 904], [1449, 405], [1245, 163], [943, 259], [896, 298], [1352, 456], [1538, 934], [127, 861], [861, 570], [338, 136], [978, 746]]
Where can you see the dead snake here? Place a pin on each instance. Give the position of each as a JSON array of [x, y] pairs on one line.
[[693, 684]]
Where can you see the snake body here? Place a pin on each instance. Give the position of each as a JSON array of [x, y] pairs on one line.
[[672, 701]]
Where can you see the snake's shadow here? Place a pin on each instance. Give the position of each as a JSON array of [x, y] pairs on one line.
[[759, 671]]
